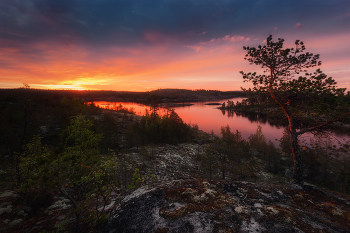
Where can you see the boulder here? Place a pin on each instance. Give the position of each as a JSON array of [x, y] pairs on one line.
[[221, 206]]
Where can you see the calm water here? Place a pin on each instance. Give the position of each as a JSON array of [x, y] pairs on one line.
[[209, 118]]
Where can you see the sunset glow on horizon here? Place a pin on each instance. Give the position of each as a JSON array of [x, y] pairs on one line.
[[142, 46]]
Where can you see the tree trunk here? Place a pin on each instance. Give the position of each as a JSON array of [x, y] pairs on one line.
[[77, 221], [297, 167]]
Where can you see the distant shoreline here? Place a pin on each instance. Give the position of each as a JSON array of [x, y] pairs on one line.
[[160, 96]]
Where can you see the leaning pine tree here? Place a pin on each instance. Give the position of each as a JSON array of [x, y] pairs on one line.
[[309, 102]]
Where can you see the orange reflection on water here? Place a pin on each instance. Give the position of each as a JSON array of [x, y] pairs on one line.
[[139, 109], [208, 118]]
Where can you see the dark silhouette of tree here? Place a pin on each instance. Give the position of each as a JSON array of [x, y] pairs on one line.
[[301, 99], [208, 162], [154, 107], [257, 142], [285, 142]]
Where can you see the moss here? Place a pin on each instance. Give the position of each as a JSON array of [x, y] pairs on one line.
[[163, 230], [253, 194], [317, 204], [174, 214], [196, 197]]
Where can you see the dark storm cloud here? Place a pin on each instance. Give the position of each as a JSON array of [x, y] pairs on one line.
[[101, 22]]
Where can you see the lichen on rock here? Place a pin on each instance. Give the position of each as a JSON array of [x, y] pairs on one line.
[[221, 206], [7, 209]]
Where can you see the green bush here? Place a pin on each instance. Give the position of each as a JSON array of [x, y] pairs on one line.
[[78, 171]]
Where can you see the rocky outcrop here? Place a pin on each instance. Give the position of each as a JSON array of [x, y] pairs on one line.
[[220, 206]]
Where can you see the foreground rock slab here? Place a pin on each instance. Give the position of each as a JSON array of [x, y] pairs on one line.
[[220, 206]]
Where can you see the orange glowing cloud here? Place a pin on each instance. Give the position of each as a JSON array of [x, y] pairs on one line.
[[214, 64], [117, 68]]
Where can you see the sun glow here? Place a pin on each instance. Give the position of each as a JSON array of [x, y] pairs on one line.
[[68, 85], [215, 65], [58, 86]]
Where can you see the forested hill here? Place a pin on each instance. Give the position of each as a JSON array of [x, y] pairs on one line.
[[162, 95]]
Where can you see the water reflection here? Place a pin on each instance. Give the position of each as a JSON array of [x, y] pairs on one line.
[[253, 117], [209, 118], [139, 109]]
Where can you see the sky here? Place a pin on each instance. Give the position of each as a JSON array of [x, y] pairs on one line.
[[143, 45]]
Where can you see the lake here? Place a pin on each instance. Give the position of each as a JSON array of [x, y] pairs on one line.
[[209, 118]]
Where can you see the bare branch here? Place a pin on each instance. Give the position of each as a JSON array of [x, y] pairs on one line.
[[322, 125]]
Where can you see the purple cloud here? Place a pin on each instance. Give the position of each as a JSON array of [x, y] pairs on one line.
[[298, 26]]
